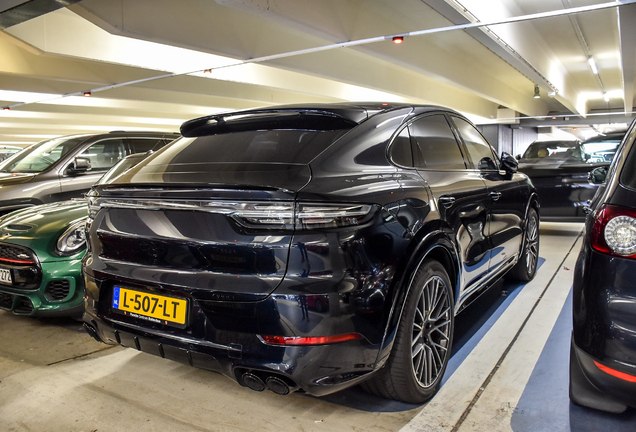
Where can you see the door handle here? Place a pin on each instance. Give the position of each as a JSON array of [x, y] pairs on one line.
[[446, 201], [495, 195]]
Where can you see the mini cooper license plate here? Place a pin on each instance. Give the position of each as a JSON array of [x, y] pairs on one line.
[[5, 276], [159, 309]]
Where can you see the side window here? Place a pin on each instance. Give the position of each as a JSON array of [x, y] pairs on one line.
[[142, 145], [104, 154], [400, 152], [478, 148], [434, 145]]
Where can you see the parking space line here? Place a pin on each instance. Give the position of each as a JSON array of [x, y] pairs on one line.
[[509, 377], [454, 399]]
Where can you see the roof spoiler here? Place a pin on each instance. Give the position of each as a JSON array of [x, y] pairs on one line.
[[266, 119]]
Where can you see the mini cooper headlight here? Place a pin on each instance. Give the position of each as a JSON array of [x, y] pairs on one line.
[[73, 239]]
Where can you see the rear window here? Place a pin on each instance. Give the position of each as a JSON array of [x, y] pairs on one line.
[[262, 146], [555, 150]]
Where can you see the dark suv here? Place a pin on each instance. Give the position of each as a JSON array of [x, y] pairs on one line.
[[603, 348], [558, 169], [217, 250], [65, 167]]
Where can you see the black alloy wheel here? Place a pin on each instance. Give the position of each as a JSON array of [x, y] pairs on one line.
[[420, 354], [526, 267]]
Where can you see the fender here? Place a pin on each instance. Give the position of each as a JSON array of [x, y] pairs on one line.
[[435, 243]]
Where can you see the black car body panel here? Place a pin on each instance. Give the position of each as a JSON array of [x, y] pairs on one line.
[[603, 358], [252, 235], [558, 170]]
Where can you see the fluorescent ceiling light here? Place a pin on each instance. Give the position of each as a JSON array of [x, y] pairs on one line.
[[592, 63], [25, 97]]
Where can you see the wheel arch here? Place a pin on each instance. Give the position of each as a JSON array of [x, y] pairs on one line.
[[437, 246]]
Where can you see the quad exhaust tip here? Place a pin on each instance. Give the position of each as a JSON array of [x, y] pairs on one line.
[[272, 382], [253, 381], [277, 385]]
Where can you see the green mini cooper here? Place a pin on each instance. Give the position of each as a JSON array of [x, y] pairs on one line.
[[41, 249]]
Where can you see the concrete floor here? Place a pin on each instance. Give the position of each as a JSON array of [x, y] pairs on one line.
[[508, 373]]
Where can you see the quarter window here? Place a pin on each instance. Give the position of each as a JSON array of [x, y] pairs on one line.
[[478, 148], [434, 145], [401, 149]]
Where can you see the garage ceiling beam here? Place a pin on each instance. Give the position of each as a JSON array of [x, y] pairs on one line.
[[29, 10], [365, 41]]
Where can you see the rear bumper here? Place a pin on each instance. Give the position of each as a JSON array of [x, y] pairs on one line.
[[316, 370], [600, 387], [603, 348], [225, 339]]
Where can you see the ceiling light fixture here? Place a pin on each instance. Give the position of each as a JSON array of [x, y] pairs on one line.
[[398, 40], [606, 96], [208, 71], [592, 63], [87, 94], [6, 108], [537, 93]]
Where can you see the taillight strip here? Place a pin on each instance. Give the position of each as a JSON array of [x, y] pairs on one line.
[[313, 340]]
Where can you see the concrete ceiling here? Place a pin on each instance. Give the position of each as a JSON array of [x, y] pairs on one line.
[[151, 64]]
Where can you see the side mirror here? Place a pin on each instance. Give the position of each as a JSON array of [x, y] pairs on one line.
[[78, 166], [597, 175], [518, 157], [509, 163], [587, 156]]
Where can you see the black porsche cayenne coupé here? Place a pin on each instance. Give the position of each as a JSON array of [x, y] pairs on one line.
[[309, 248]]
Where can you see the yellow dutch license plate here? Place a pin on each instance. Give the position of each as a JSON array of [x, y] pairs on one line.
[[159, 309]]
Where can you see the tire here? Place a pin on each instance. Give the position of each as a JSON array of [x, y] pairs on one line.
[[526, 267], [422, 346], [319, 307]]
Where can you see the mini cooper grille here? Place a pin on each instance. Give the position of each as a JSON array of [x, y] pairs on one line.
[[57, 289], [16, 255]]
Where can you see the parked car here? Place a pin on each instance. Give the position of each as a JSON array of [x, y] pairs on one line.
[[41, 249], [66, 167], [558, 169], [208, 251], [6, 151], [603, 348], [602, 148]]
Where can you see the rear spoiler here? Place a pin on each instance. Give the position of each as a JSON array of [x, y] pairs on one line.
[[266, 119]]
